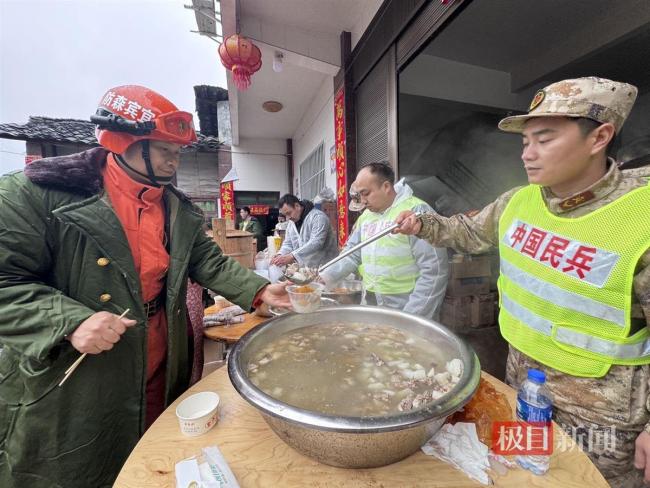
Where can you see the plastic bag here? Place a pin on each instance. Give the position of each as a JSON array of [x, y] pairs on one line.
[[207, 470], [485, 407], [261, 261]]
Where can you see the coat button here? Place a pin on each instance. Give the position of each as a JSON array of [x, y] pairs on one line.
[[105, 297], [103, 262]]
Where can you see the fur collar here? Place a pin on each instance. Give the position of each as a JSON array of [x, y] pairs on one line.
[[79, 173]]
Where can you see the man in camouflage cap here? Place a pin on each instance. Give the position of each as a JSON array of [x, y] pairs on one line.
[[575, 282]]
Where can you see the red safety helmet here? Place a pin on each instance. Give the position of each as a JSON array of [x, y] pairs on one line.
[[131, 113]]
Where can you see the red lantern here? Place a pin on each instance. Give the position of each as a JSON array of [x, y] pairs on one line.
[[242, 57]]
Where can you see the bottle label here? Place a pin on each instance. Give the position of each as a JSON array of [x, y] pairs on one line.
[[530, 413]]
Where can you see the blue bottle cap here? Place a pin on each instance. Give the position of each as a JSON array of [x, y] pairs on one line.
[[536, 375]]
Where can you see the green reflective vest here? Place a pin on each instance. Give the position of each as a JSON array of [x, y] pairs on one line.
[[387, 265], [566, 284]]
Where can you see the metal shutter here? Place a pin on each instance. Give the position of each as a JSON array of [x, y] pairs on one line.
[[390, 20], [376, 116], [419, 33]]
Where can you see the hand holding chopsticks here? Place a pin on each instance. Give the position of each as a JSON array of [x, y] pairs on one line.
[[74, 365]]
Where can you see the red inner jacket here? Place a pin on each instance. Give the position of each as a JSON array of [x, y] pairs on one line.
[[140, 209]]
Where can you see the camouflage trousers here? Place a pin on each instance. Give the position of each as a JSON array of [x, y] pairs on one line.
[[604, 416]]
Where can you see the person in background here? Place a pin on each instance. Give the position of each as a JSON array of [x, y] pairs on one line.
[[84, 238], [281, 225], [404, 273], [310, 240], [251, 224], [575, 270]]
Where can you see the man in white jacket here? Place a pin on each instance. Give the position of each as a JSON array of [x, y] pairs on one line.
[[310, 240], [397, 273]]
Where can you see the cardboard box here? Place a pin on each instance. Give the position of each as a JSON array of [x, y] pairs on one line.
[[490, 347], [473, 311], [474, 268], [471, 277], [455, 312], [482, 310], [465, 287]]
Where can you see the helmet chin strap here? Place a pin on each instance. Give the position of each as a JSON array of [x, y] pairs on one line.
[[154, 180], [151, 176]]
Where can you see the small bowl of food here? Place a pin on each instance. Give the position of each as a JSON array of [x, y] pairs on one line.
[[346, 292], [305, 298]]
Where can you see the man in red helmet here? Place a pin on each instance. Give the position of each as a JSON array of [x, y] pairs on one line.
[[84, 238]]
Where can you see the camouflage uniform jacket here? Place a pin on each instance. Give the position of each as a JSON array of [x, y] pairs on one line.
[[622, 397]]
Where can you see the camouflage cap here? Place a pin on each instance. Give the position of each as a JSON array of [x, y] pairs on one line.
[[355, 200], [595, 98]]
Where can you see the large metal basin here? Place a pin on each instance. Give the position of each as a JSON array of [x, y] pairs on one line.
[[354, 442]]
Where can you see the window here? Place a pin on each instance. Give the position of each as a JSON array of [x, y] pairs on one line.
[[247, 198], [208, 206], [312, 174]]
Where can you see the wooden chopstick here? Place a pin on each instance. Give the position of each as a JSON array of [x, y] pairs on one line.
[[74, 365]]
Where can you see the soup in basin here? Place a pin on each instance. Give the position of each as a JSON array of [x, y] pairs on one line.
[[350, 369]]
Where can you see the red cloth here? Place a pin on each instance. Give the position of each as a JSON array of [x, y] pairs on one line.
[[195, 309], [140, 209]]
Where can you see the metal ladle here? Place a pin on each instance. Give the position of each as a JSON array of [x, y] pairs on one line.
[[369, 240], [313, 274]]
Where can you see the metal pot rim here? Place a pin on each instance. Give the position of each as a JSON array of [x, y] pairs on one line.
[[443, 407]]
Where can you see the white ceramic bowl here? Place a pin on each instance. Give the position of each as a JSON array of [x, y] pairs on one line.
[[198, 413]]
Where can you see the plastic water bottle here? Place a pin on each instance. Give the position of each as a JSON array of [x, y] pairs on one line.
[[534, 405]]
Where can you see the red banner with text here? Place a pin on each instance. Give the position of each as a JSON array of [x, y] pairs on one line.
[[341, 167], [228, 201], [259, 209]]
